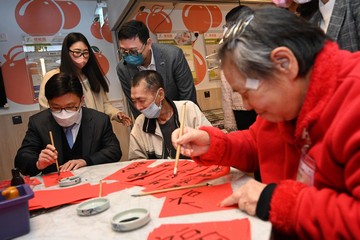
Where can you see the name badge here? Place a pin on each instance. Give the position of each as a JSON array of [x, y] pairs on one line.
[[306, 169]]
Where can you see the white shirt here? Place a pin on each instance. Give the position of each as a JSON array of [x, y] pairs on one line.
[[151, 65], [326, 11]]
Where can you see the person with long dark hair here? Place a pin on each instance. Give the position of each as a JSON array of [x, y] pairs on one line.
[[78, 59]]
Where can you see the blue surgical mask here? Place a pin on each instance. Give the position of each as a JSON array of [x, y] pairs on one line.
[[135, 60], [153, 110]]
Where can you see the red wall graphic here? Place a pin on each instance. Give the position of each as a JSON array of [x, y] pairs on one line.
[[199, 18], [17, 80], [102, 60], [157, 20], [45, 17], [101, 32]]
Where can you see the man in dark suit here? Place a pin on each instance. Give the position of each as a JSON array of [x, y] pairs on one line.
[[138, 52], [81, 136]]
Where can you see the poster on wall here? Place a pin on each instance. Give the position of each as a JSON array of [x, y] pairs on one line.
[[182, 40], [211, 44]]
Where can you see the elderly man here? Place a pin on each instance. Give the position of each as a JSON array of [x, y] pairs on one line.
[[82, 136], [150, 137]]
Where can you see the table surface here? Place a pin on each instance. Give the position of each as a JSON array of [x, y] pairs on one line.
[[64, 223]]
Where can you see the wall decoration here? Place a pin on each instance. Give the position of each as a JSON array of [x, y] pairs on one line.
[[200, 66], [157, 20], [17, 81], [38, 17], [103, 32], [216, 15], [45, 17], [196, 18], [182, 40], [71, 13], [211, 44], [102, 60]]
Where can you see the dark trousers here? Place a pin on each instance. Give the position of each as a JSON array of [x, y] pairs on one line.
[[244, 119]]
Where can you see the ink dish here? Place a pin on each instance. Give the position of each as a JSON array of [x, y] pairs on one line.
[[93, 206], [130, 219]]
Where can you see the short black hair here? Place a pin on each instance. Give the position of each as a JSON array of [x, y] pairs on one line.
[[153, 79], [133, 29], [62, 83]]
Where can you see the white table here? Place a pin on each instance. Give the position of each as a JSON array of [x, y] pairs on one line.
[[64, 223]]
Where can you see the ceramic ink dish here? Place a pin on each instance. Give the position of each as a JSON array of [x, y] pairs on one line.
[[130, 219], [93, 206], [69, 181]]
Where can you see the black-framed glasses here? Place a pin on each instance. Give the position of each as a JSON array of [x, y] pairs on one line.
[[68, 109], [236, 29], [132, 52], [78, 53]]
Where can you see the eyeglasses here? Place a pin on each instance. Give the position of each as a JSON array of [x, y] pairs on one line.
[[69, 109], [236, 29], [132, 52], [78, 54]]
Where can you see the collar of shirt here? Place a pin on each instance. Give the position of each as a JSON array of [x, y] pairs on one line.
[[326, 11], [151, 65]]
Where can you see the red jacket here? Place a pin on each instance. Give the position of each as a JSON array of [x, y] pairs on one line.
[[331, 115]]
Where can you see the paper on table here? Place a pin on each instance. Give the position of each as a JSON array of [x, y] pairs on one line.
[[238, 229], [195, 200], [56, 197], [71, 195], [52, 179], [188, 175]]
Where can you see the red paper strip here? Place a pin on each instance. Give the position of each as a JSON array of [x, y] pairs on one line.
[[195, 200], [56, 197], [238, 229]]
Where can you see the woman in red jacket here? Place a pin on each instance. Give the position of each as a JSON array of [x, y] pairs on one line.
[[306, 139]]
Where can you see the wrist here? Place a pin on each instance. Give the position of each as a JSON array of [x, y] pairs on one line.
[[37, 165]]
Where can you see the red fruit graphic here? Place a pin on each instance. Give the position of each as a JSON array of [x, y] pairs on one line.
[[95, 29], [101, 59], [142, 17], [17, 80], [200, 66], [196, 18], [71, 13], [158, 21], [38, 17], [216, 15], [105, 31]]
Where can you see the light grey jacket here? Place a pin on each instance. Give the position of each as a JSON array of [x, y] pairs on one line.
[[146, 139]]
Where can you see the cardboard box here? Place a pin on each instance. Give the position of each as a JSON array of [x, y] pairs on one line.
[[14, 213]]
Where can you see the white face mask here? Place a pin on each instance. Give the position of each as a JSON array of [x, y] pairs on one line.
[[66, 119], [153, 110]]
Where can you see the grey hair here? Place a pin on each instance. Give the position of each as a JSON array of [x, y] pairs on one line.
[[251, 44]]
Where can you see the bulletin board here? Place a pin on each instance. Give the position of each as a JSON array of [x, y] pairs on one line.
[[42, 54], [184, 41], [211, 45]]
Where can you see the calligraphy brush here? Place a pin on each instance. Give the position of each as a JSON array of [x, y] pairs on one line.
[[57, 163], [217, 181], [182, 121]]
